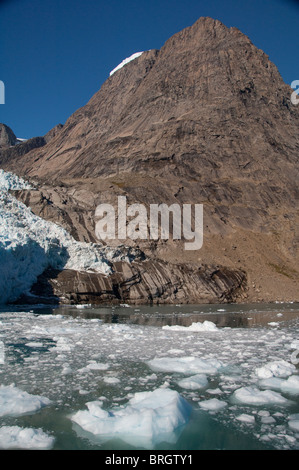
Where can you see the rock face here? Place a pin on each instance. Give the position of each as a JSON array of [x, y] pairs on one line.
[[207, 119], [12, 149], [147, 282], [7, 137]]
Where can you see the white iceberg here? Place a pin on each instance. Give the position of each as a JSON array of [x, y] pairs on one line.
[[289, 385], [2, 353], [275, 369], [15, 402], [245, 418], [147, 419], [186, 365], [194, 382], [15, 437], [254, 396], [198, 326], [212, 404]]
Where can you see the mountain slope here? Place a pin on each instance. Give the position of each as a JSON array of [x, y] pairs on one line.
[[206, 119]]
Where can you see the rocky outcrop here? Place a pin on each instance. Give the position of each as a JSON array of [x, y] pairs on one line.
[[206, 119], [13, 149], [146, 282], [7, 137]]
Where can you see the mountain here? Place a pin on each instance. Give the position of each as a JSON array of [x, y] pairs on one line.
[[207, 119]]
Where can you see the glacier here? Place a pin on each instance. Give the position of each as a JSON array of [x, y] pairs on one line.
[[30, 244]]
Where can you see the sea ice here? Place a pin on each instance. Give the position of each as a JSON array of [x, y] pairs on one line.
[[186, 365], [245, 418], [147, 419], [111, 380], [294, 422], [275, 369], [291, 385], [198, 326], [2, 353], [213, 404], [194, 382], [15, 437], [254, 396], [14, 402]]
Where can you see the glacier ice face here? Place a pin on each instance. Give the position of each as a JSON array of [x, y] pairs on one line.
[[10, 181], [30, 244]]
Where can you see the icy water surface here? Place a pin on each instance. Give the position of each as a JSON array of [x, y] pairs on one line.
[[216, 377]]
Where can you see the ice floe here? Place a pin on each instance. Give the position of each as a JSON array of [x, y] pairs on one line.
[[275, 369], [15, 437], [186, 365], [147, 419], [289, 385], [76, 360], [194, 382], [195, 326], [254, 396], [213, 404], [14, 401]]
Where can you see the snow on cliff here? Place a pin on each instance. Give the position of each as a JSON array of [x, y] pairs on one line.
[[30, 244], [126, 61]]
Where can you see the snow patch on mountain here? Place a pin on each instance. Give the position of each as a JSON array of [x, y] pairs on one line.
[[126, 61]]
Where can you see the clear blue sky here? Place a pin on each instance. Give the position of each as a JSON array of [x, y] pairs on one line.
[[55, 54]]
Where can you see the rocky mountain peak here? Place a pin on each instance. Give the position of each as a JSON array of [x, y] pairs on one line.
[[7, 137]]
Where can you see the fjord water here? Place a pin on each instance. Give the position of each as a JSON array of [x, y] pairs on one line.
[[75, 355]]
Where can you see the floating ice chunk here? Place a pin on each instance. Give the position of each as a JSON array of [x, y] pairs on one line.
[[147, 419], [34, 344], [275, 369], [176, 351], [194, 382], [111, 380], [291, 385], [126, 61], [214, 391], [294, 422], [2, 353], [98, 366], [213, 404], [198, 326], [245, 418], [273, 383], [14, 437], [14, 401], [186, 365], [268, 420], [254, 396]]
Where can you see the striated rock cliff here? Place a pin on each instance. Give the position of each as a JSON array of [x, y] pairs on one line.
[[207, 119]]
